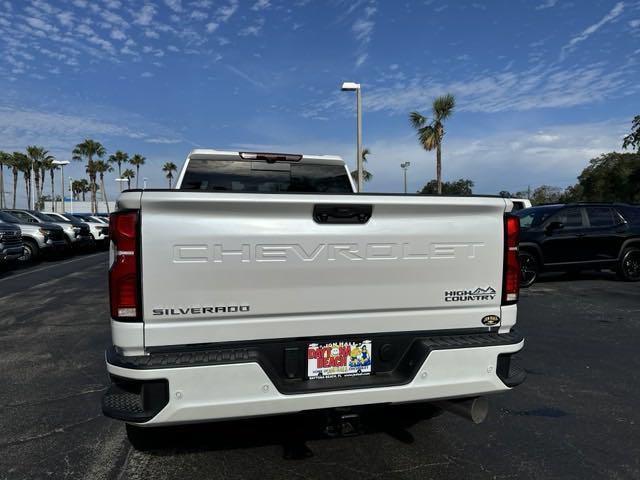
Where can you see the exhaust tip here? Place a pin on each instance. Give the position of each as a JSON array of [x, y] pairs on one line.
[[475, 409]]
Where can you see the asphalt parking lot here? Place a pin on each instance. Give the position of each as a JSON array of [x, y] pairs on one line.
[[576, 416]]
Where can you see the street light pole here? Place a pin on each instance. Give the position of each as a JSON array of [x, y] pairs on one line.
[[405, 167], [144, 183], [62, 163], [349, 87], [33, 193], [70, 196]]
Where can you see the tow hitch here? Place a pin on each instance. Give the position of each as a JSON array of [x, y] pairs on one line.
[[343, 422]]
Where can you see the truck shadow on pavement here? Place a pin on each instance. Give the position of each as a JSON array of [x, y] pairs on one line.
[[291, 432]]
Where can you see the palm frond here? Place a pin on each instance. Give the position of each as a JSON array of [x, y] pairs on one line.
[[428, 137], [443, 107], [417, 120]]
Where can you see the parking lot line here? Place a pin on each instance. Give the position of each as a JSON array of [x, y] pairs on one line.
[[48, 267]]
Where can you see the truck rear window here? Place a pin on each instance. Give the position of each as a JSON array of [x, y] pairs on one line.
[[263, 177]]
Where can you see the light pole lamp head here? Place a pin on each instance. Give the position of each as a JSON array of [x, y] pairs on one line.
[[60, 162], [350, 86]]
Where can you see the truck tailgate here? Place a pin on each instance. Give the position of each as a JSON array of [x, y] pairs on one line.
[[228, 266]]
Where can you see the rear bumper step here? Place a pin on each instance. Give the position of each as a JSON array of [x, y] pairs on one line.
[[396, 359], [251, 381]]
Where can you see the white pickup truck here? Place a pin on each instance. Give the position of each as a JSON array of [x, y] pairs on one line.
[[263, 285]]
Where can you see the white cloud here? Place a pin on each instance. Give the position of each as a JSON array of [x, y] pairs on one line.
[[361, 59], [65, 18], [547, 4], [362, 29], [252, 30], [536, 88], [198, 15], [591, 29], [225, 12], [212, 27], [145, 15], [40, 24], [634, 23], [175, 5], [146, 74], [151, 34], [261, 5], [118, 35], [245, 76]]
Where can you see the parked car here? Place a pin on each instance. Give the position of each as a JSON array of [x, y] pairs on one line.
[[261, 284], [77, 234], [39, 238], [11, 246], [99, 231], [580, 236], [90, 217]]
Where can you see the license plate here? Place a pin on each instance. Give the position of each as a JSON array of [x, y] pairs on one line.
[[338, 359]]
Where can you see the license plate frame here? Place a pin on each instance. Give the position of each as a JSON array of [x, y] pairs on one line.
[[339, 359]]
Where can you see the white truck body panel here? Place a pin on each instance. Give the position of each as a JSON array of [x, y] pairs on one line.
[[296, 276]]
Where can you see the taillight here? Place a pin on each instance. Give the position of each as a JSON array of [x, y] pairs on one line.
[[123, 274], [511, 276]]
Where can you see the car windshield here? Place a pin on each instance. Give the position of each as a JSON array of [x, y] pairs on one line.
[[263, 177], [8, 218], [73, 218], [535, 216], [46, 218]]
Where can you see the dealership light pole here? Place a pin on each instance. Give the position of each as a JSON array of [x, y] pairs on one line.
[[62, 163], [355, 87], [70, 195], [405, 166]]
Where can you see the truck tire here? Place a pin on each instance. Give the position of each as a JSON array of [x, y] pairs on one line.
[[31, 252], [629, 264], [529, 268]]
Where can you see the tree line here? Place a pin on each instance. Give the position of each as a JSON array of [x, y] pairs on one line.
[[35, 162]]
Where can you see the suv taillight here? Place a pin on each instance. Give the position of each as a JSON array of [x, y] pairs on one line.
[[123, 274], [511, 274]]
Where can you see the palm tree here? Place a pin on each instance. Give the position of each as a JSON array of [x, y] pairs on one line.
[[128, 174], [5, 160], [15, 161], [366, 176], [49, 165], [102, 167], [137, 160], [89, 149], [430, 134], [119, 158], [38, 156], [169, 168], [80, 187], [23, 164]]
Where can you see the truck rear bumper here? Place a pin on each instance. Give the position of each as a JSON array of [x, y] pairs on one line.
[[197, 393]]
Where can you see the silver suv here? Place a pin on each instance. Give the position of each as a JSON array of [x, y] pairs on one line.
[[99, 230], [39, 238], [11, 247], [76, 234]]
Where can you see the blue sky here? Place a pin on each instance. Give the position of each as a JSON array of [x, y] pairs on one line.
[[542, 86]]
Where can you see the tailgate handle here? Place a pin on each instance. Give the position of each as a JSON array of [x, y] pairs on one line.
[[342, 213]]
